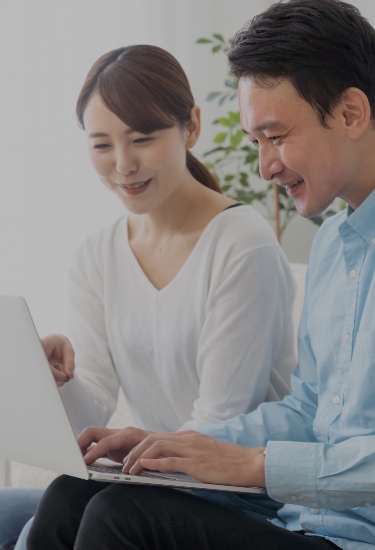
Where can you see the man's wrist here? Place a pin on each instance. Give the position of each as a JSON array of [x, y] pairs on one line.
[[261, 467]]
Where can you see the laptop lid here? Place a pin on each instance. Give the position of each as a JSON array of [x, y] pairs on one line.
[[34, 425]]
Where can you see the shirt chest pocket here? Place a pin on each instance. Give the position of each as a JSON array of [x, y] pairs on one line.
[[360, 399]]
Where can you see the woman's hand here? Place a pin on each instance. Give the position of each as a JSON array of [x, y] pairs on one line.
[[105, 443], [60, 355], [200, 456]]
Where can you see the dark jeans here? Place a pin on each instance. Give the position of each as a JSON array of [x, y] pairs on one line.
[[103, 516]]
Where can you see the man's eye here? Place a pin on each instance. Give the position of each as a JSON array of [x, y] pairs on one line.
[[275, 139], [142, 140], [254, 144]]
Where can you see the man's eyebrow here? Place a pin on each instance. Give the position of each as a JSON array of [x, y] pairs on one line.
[[270, 125]]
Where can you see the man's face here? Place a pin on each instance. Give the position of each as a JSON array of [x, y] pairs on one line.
[[313, 163]]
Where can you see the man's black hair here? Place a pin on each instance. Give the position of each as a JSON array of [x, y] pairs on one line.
[[322, 47]]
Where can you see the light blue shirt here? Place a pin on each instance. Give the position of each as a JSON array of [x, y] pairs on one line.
[[321, 439]]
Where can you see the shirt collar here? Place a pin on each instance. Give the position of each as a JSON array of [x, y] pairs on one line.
[[362, 220]]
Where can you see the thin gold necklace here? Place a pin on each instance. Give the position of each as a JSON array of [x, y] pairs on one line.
[[161, 246]]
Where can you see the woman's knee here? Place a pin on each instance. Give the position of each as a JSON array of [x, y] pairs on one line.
[[60, 511]]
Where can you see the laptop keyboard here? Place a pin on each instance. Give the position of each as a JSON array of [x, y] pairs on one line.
[[106, 468]]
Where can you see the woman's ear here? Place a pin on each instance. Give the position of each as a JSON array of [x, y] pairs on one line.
[[356, 112], [193, 130]]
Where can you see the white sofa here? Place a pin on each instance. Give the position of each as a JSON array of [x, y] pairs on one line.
[[20, 475]]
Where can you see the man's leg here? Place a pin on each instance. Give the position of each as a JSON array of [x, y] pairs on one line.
[[17, 506], [256, 506], [153, 518]]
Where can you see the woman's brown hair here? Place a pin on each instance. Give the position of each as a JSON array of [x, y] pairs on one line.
[[146, 88]]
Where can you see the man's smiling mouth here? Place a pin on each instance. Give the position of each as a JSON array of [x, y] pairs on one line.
[[293, 183]]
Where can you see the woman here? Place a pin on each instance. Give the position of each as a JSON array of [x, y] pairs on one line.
[[185, 302]]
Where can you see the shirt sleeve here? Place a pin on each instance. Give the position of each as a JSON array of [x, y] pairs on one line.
[[91, 397], [299, 470], [318, 475], [248, 329]]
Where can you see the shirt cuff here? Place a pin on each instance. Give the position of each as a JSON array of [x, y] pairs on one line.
[[290, 470]]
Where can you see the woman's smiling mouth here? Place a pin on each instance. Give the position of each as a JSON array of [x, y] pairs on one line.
[[135, 188]]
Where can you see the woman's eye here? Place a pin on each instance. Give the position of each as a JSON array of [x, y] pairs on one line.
[[101, 146]]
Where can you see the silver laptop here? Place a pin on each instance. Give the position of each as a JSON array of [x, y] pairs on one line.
[[34, 425]]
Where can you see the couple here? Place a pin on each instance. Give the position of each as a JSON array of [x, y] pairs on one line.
[[306, 73]]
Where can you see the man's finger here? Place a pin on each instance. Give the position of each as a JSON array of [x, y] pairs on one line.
[[160, 448]]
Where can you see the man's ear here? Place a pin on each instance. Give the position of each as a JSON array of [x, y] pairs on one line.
[[193, 130], [355, 108]]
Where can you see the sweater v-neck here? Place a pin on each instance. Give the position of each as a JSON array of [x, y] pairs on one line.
[[188, 260]]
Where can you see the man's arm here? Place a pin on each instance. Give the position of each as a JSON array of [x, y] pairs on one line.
[[319, 475], [316, 475], [197, 455]]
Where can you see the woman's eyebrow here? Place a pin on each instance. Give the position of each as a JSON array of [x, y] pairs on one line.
[[98, 134], [104, 134]]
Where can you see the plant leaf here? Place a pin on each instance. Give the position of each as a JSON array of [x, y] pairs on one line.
[[213, 95], [203, 41], [220, 137], [218, 37], [224, 122]]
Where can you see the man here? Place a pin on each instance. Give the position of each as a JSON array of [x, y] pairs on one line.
[[306, 71]]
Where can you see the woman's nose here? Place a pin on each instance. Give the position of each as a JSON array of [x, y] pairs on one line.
[[126, 163]]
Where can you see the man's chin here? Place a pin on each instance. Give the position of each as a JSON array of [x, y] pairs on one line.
[[308, 211]]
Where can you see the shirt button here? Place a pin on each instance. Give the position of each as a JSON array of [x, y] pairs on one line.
[[314, 510], [367, 504], [336, 399], [353, 273], [293, 498], [347, 337]]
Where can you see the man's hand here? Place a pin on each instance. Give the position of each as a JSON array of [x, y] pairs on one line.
[[60, 355], [112, 444], [200, 456]]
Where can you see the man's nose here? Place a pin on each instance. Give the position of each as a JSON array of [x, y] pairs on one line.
[[269, 164]]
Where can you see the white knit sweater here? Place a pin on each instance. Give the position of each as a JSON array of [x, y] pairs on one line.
[[215, 342]]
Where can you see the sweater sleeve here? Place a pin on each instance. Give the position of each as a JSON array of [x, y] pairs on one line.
[[247, 332], [91, 396]]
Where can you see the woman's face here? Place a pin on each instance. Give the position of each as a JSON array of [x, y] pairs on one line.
[[143, 170]]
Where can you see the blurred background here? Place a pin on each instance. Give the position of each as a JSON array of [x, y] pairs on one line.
[[50, 197]]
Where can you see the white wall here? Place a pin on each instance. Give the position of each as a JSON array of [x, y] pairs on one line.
[[50, 199]]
